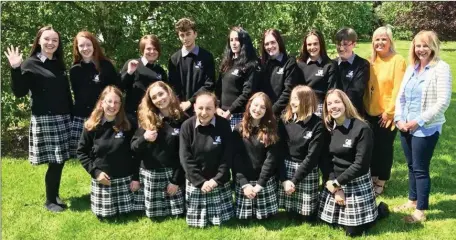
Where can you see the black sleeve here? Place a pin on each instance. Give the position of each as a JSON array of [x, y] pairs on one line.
[[283, 136], [270, 164], [178, 176], [136, 161], [238, 167], [227, 156], [316, 145], [138, 143], [85, 154], [209, 78], [112, 76], [241, 100], [69, 95], [74, 80], [333, 75], [363, 156], [126, 80], [360, 80], [290, 80], [20, 81], [188, 161], [174, 78], [218, 89]]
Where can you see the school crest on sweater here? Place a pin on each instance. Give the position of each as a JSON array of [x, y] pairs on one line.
[[348, 143], [319, 73], [235, 72], [308, 135], [199, 64], [175, 132], [280, 71], [349, 74], [96, 79], [217, 140], [119, 135]]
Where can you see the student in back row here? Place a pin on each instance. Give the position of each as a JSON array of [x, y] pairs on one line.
[[192, 68]]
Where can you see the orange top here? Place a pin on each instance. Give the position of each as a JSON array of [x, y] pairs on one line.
[[385, 80]]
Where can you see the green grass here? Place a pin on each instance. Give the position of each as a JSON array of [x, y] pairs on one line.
[[24, 217]]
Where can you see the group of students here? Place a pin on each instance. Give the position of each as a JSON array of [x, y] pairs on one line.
[[180, 141]]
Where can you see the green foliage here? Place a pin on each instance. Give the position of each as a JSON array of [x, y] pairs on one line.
[[388, 13]]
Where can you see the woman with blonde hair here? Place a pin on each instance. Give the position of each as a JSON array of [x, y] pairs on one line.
[[348, 199], [423, 98], [156, 146], [104, 152], [387, 70], [256, 154], [305, 138]]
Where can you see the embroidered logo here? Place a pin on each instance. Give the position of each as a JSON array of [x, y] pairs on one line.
[[280, 71], [159, 76], [96, 79], [119, 135], [175, 131], [217, 141], [198, 64], [308, 135], [319, 73], [349, 74], [235, 72], [348, 143]]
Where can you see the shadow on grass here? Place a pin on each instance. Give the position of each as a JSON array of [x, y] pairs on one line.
[[446, 210], [274, 223], [80, 203]]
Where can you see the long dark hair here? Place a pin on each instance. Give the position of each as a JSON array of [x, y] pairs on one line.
[[264, 55], [304, 55], [36, 47], [247, 55]]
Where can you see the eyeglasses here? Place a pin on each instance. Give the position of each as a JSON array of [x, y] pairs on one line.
[[345, 45], [112, 102]]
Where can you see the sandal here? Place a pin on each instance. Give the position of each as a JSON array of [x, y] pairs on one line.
[[405, 206], [413, 218]]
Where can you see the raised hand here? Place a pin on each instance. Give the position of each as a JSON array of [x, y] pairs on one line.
[[14, 56], [132, 66]]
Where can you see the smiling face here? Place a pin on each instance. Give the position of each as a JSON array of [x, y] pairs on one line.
[[271, 46], [85, 47], [150, 52], [345, 49], [294, 102], [111, 105], [205, 109], [49, 42], [235, 45], [422, 50], [382, 43], [188, 38], [313, 46], [257, 108], [335, 106], [160, 97]]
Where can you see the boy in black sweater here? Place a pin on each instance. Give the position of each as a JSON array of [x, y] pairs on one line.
[[353, 70], [191, 69]]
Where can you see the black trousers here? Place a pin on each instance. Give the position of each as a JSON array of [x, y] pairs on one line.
[[52, 180], [382, 155]]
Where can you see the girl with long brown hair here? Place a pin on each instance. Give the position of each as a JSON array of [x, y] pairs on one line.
[[305, 138], [256, 155], [91, 72], [104, 152], [156, 146]]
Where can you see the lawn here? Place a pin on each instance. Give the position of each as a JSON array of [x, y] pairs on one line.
[[24, 217]]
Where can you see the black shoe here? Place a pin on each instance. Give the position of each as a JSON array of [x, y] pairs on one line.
[[53, 207], [60, 202], [383, 210]]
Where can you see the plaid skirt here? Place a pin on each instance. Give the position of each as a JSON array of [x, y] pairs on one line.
[[106, 201], [139, 198], [305, 198], [157, 202], [360, 207], [262, 206], [76, 130], [235, 119], [49, 139], [213, 208]]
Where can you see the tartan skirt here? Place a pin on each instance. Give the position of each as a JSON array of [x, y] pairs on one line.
[[262, 206], [139, 198], [214, 207], [304, 200], [76, 130], [360, 207], [106, 201], [235, 119], [157, 202], [49, 139]]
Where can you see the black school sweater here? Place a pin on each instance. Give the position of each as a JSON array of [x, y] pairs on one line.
[[353, 79], [190, 74], [105, 150], [88, 83], [234, 87], [350, 152], [277, 81], [304, 142], [319, 76], [206, 151], [48, 84], [253, 161], [136, 84], [163, 152]]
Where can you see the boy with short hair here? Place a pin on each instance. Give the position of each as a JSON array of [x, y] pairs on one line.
[[353, 70], [192, 68]]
